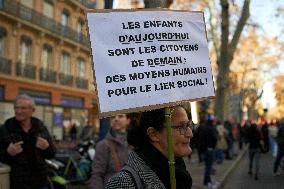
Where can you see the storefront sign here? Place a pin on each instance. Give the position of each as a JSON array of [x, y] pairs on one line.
[[39, 97], [1, 93], [75, 102]]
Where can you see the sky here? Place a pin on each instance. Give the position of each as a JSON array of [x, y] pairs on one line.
[[263, 13]]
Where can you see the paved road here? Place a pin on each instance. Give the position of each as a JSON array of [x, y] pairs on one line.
[[221, 170], [239, 178]]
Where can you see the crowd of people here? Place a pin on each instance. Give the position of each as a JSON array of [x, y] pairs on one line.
[[214, 142], [134, 153]]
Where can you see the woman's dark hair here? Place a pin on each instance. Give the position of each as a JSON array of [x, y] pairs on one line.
[[134, 119], [137, 133]]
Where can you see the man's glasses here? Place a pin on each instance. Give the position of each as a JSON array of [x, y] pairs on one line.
[[184, 127], [22, 108]]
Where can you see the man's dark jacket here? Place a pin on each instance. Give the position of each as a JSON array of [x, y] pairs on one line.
[[206, 137], [254, 137], [28, 168], [280, 137]]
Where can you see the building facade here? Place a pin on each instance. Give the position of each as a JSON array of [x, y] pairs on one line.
[[45, 53]]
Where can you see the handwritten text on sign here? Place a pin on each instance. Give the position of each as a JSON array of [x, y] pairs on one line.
[[146, 58]]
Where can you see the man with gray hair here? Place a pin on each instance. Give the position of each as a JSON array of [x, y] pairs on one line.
[[24, 144]]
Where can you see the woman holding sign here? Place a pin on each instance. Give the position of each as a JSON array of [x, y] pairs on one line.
[[147, 165]]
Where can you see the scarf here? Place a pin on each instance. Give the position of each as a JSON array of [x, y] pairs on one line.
[[159, 164]]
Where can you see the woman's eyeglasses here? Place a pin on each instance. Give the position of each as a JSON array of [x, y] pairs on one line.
[[184, 127]]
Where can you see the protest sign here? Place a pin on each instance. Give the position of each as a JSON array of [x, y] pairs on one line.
[[144, 59]]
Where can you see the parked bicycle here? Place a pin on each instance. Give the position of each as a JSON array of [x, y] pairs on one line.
[[55, 181]]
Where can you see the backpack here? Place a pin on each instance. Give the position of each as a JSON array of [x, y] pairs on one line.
[[134, 175]]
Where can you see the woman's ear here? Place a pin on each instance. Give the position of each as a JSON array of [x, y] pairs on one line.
[[152, 133]]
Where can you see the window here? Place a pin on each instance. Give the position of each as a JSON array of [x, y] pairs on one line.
[[3, 34], [65, 17], [48, 8], [25, 50], [64, 21], [80, 25], [79, 29], [65, 63], [46, 57], [27, 3], [81, 67]]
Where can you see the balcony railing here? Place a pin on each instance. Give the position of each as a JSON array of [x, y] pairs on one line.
[[5, 66], [65, 79], [26, 70], [25, 13], [81, 83], [88, 4], [47, 75]]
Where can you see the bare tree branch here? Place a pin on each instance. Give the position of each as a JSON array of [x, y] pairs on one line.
[[213, 25], [241, 23]]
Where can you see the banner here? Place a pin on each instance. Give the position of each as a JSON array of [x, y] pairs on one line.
[[148, 58]]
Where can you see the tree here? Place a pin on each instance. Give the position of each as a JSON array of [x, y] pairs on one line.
[[255, 60], [251, 64], [223, 48], [279, 91], [225, 57]]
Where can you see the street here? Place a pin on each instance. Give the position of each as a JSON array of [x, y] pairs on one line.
[[240, 179]]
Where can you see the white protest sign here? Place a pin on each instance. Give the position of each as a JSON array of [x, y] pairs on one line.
[[147, 58]]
